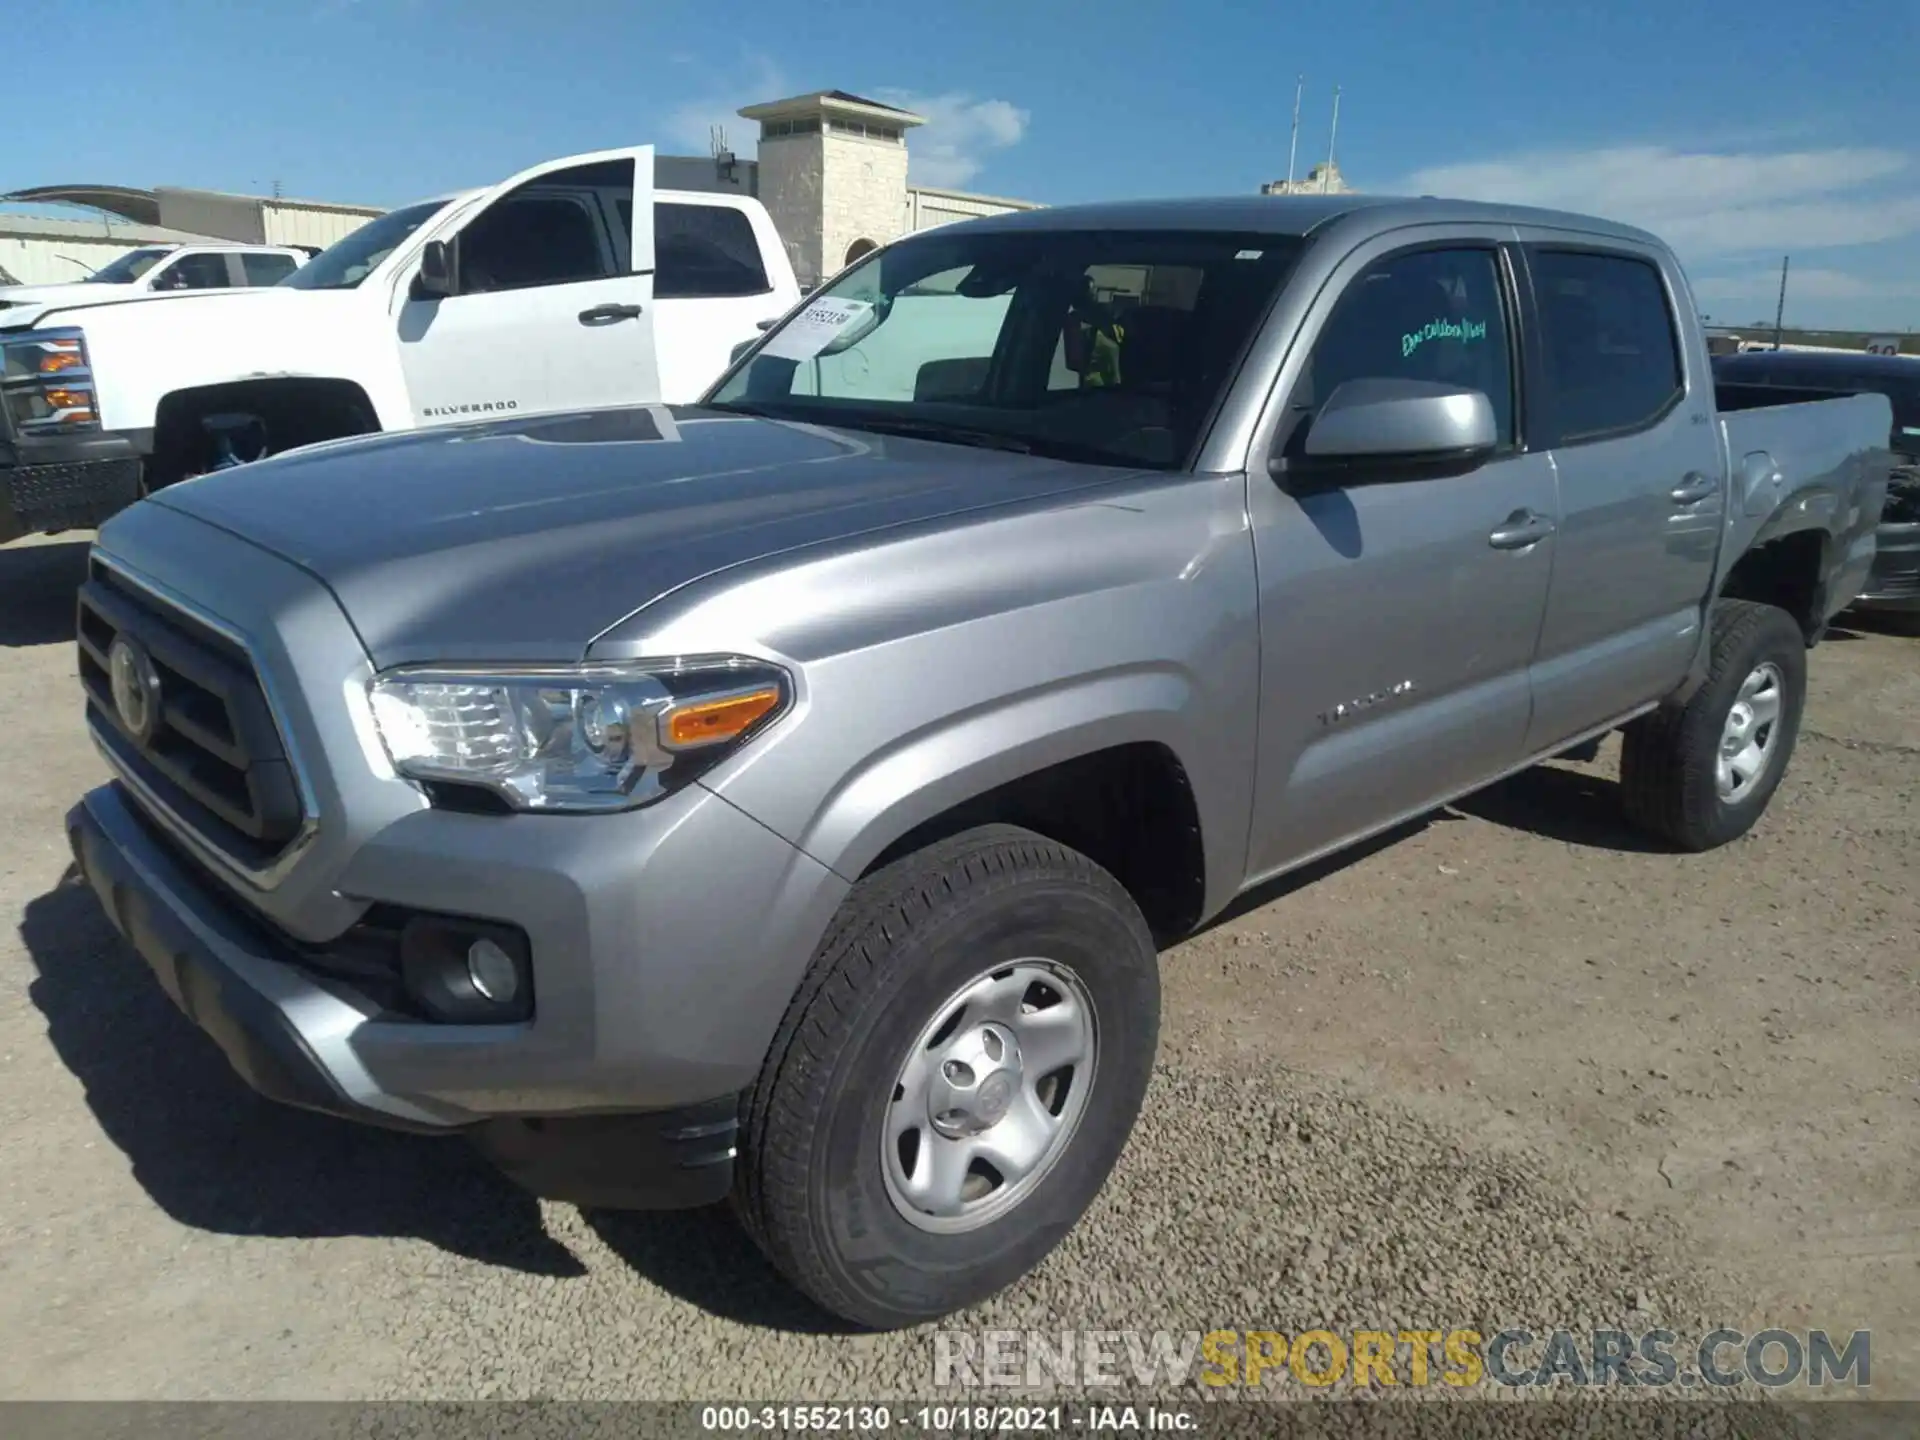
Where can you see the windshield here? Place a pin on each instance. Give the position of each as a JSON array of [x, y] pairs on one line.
[[1108, 346], [345, 263], [128, 268]]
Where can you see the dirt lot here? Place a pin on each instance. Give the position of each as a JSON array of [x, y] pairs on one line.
[[1508, 1066]]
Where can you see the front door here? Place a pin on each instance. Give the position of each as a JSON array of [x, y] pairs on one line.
[[1398, 610], [553, 299], [1641, 486]]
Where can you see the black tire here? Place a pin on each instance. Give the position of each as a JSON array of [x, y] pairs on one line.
[[810, 1187], [1668, 758]]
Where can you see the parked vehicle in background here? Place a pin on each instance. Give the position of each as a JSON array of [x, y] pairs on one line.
[[166, 270], [782, 797], [1892, 588], [568, 286]]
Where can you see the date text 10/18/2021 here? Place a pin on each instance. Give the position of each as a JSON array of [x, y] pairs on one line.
[[961, 1418]]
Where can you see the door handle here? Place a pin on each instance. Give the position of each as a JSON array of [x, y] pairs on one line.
[[606, 314], [1694, 488], [1520, 529]]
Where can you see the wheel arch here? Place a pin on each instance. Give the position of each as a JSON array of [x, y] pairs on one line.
[[1787, 565], [1107, 767]]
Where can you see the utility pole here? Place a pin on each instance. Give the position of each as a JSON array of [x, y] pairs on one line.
[[1780, 311], [1326, 175], [1293, 146]]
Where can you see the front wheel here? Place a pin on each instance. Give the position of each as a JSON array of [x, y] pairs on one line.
[[1700, 774], [955, 1079]]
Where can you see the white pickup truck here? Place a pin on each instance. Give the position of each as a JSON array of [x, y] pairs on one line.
[[569, 286], [163, 269]]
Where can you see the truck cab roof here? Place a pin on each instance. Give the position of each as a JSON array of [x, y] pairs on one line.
[[1301, 215]]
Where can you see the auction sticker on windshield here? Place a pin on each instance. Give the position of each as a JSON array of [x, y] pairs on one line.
[[817, 327]]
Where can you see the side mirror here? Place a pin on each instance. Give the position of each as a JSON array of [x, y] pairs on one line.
[[1400, 422], [436, 278]]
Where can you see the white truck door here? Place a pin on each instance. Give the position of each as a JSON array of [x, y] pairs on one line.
[[711, 290], [552, 303]]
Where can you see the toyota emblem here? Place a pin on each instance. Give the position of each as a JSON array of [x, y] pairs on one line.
[[136, 688]]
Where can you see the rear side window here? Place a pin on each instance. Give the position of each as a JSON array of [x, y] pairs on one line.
[[1612, 357], [266, 269], [703, 251]]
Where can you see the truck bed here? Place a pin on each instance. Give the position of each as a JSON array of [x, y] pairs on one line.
[[1807, 460]]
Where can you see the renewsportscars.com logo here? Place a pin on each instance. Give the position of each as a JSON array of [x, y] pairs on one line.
[[1455, 1358]]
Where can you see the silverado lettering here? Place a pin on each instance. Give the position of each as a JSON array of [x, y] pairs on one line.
[[471, 408]]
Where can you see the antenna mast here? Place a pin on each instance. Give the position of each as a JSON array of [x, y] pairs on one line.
[[1293, 147], [1326, 175]]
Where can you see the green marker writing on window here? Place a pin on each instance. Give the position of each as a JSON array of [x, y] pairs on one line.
[[1462, 330]]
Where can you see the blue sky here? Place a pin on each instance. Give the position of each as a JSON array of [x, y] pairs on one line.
[[1795, 131]]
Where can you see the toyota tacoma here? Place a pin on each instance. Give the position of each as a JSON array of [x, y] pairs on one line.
[[784, 797]]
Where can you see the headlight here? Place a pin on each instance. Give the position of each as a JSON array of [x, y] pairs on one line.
[[574, 737], [46, 382]]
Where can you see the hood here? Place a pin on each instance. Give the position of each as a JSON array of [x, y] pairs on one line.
[[12, 296], [59, 301], [526, 539]]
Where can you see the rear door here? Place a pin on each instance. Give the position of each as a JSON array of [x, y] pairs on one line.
[[253, 268], [553, 300], [711, 291], [1642, 484], [1399, 610]]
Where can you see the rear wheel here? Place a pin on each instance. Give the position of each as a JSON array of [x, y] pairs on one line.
[[1700, 774], [955, 1080]]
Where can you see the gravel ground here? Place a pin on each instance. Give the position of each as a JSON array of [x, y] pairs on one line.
[[1506, 1067]]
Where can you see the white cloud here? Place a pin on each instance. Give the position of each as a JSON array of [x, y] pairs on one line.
[[1707, 203], [1859, 294], [690, 123], [960, 133]]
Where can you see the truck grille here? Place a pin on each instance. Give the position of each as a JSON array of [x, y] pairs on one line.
[[206, 745], [1903, 496], [76, 496], [1896, 578]]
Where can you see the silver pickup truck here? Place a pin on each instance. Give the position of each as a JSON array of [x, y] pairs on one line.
[[784, 797]]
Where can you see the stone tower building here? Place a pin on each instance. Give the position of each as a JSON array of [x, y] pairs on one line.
[[833, 174], [1321, 180]]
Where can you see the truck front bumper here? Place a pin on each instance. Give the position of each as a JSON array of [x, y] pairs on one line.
[[68, 482], [1893, 585], [321, 1043]]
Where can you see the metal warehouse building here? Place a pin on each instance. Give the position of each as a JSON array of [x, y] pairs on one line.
[[36, 251]]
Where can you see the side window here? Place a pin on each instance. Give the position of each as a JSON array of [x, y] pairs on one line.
[[1434, 315], [704, 251], [194, 272], [266, 269], [550, 231], [1611, 355]]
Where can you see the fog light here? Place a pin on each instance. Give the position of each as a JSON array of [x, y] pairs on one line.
[[467, 972], [493, 972]]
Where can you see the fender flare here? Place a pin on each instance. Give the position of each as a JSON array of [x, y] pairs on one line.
[[927, 773], [1811, 509]]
